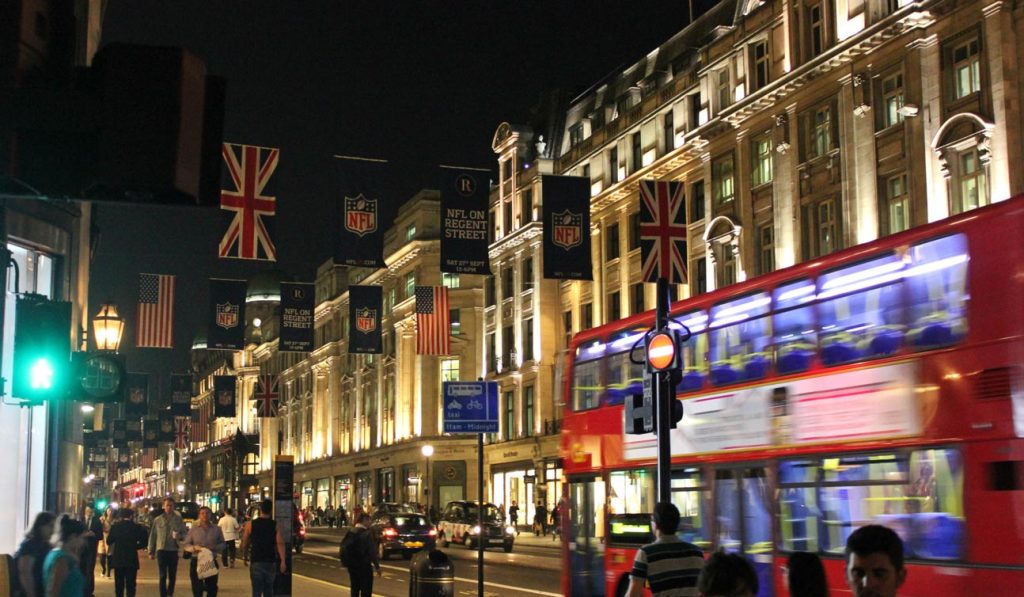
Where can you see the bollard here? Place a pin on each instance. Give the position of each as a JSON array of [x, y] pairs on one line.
[[432, 574]]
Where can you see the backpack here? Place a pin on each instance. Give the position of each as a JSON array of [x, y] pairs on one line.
[[355, 549]]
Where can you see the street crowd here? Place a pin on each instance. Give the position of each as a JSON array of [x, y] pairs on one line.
[[61, 555]]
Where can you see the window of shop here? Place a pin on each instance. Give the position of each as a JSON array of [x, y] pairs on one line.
[[323, 492], [386, 484], [364, 489], [342, 486]]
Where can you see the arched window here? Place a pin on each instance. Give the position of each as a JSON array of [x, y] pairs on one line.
[[964, 151]]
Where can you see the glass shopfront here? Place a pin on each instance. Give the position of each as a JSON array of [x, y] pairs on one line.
[[342, 487], [386, 484], [516, 484], [364, 488], [412, 479], [323, 493]]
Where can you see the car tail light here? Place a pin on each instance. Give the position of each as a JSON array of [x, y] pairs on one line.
[[390, 533], [432, 532], [302, 532]]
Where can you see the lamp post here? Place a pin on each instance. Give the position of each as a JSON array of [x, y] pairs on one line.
[[107, 327], [428, 451]]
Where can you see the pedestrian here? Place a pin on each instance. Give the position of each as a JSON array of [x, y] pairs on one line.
[[727, 575], [125, 540], [229, 526], [28, 560], [501, 513], [556, 522], [62, 568], [330, 514], [93, 536], [108, 520], [263, 540], [319, 516], [342, 516], [513, 515], [202, 537], [168, 529], [874, 562], [670, 565], [540, 520], [806, 575], [359, 556]]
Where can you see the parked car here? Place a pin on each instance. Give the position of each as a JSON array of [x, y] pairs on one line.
[[402, 532], [460, 523]]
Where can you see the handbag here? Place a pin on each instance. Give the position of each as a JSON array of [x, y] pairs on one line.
[[206, 564]]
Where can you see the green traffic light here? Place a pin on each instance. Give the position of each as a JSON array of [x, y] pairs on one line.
[[41, 375]]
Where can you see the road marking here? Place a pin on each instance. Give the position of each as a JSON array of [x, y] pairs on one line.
[[458, 578], [323, 582]]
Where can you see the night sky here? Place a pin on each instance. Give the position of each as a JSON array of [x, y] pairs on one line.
[[417, 83]]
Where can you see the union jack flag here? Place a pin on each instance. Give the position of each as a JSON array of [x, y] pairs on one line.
[[267, 396], [663, 231], [181, 432], [249, 231]]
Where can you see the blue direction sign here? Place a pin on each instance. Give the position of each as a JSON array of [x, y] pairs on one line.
[[470, 406]]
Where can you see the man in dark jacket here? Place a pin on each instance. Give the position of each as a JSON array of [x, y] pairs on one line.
[[125, 540], [94, 526]]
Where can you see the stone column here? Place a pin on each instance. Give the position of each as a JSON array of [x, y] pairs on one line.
[[1000, 52], [785, 195], [935, 190]]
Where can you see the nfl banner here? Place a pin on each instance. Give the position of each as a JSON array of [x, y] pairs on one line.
[[133, 428], [248, 202], [137, 390], [297, 305], [119, 433], [123, 462], [567, 227], [464, 221], [181, 395], [663, 231], [226, 323], [166, 433], [150, 432], [364, 311], [224, 395], [359, 237]]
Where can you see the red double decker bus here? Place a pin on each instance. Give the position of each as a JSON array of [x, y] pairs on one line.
[[880, 384]]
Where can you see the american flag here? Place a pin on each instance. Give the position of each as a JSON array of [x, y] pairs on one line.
[[663, 231], [146, 457], [249, 168], [433, 325], [267, 395], [201, 424], [181, 432], [154, 326]]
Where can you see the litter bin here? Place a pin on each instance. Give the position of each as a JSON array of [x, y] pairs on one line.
[[432, 574]]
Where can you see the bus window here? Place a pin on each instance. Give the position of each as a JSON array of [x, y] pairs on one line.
[[859, 490], [793, 324], [742, 502], [632, 492], [937, 292], [860, 311], [727, 510], [740, 338], [624, 376], [695, 351], [690, 495], [798, 505], [920, 497], [586, 376]]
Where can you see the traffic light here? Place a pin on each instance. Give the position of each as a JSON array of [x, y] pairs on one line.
[[42, 349], [101, 505]]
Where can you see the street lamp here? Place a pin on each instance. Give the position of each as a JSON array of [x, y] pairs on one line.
[[107, 328], [428, 451]]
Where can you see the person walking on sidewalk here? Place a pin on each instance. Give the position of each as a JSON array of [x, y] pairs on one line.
[[540, 520], [203, 536], [513, 516], [93, 536], [62, 569], [229, 526], [670, 565], [359, 555], [263, 541], [124, 541], [168, 529]]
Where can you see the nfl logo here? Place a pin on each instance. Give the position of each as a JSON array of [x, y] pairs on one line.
[[136, 395], [360, 215], [227, 316], [225, 397], [366, 320], [568, 229]]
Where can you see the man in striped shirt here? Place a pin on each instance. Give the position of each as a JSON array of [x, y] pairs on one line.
[[670, 565]]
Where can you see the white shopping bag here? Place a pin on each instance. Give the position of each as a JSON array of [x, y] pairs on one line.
[[206, 564]]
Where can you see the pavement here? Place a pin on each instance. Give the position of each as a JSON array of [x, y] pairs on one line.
[[233, 582], [523, 539]]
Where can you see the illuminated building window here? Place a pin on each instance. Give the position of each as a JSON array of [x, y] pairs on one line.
[[450, 370], [896, 211], [892, 100], [762, 63], [966, 68], [762, 155], [723, 180]]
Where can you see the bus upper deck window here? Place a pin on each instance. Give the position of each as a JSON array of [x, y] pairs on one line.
[[793, 322], [587, 386], [624, 376], [695, 351], [860, 310], [740, 339], [937, 292]]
